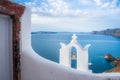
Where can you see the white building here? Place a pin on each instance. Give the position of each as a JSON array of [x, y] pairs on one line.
[[82, 54], [30, 66]]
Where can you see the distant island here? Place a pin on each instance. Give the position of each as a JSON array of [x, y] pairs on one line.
[[114, 32], [53, 32], [44, 32]]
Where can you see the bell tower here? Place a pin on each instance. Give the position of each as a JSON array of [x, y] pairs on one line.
[[81, 55]]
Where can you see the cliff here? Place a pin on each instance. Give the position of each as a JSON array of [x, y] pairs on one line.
[[113, 32]]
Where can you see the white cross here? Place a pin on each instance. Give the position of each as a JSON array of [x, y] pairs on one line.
[[74, 36]]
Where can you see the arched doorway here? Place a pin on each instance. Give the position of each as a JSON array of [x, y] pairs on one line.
[[73, 57]]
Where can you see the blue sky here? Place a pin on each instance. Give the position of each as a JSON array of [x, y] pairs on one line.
[[73, 15]]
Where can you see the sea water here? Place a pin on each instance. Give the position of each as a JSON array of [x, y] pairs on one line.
[[47, 45]]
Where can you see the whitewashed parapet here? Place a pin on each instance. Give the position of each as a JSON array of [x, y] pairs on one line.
[[35, 67]]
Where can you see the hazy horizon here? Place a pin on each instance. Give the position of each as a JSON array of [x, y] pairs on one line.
[[71, 31]]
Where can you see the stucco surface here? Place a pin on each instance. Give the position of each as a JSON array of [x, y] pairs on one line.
[[35, 67]]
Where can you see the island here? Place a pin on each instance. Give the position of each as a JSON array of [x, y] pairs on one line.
[[113, 32]]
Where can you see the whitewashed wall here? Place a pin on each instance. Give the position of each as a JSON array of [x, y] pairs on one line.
[[34, 67]]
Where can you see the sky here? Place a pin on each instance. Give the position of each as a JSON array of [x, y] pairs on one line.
[[73, 15]]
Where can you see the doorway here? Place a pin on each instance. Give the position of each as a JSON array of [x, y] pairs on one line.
[[6, 70]]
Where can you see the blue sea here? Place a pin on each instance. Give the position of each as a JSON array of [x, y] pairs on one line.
[[47, 45]]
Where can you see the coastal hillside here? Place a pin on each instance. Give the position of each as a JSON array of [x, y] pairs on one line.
[[113, 32]]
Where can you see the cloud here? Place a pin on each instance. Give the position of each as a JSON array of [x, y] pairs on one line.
[[61, 8], [98, 2], [107, 4], [58, 7], [85, 2], [48, 23], [36, 19], [30, 4], [64, 15], [54, 8]]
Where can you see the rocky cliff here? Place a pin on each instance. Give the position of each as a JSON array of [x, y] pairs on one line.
[[113, 32]]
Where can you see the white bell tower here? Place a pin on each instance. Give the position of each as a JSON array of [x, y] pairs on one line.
[[82, 54]]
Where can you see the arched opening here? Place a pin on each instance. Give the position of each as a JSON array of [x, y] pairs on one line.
[[73, 57]]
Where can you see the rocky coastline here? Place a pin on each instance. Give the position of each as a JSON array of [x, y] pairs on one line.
[[114, 32], [114, 61]]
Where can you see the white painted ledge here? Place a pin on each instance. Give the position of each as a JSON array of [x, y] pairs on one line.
[[35, 67]]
